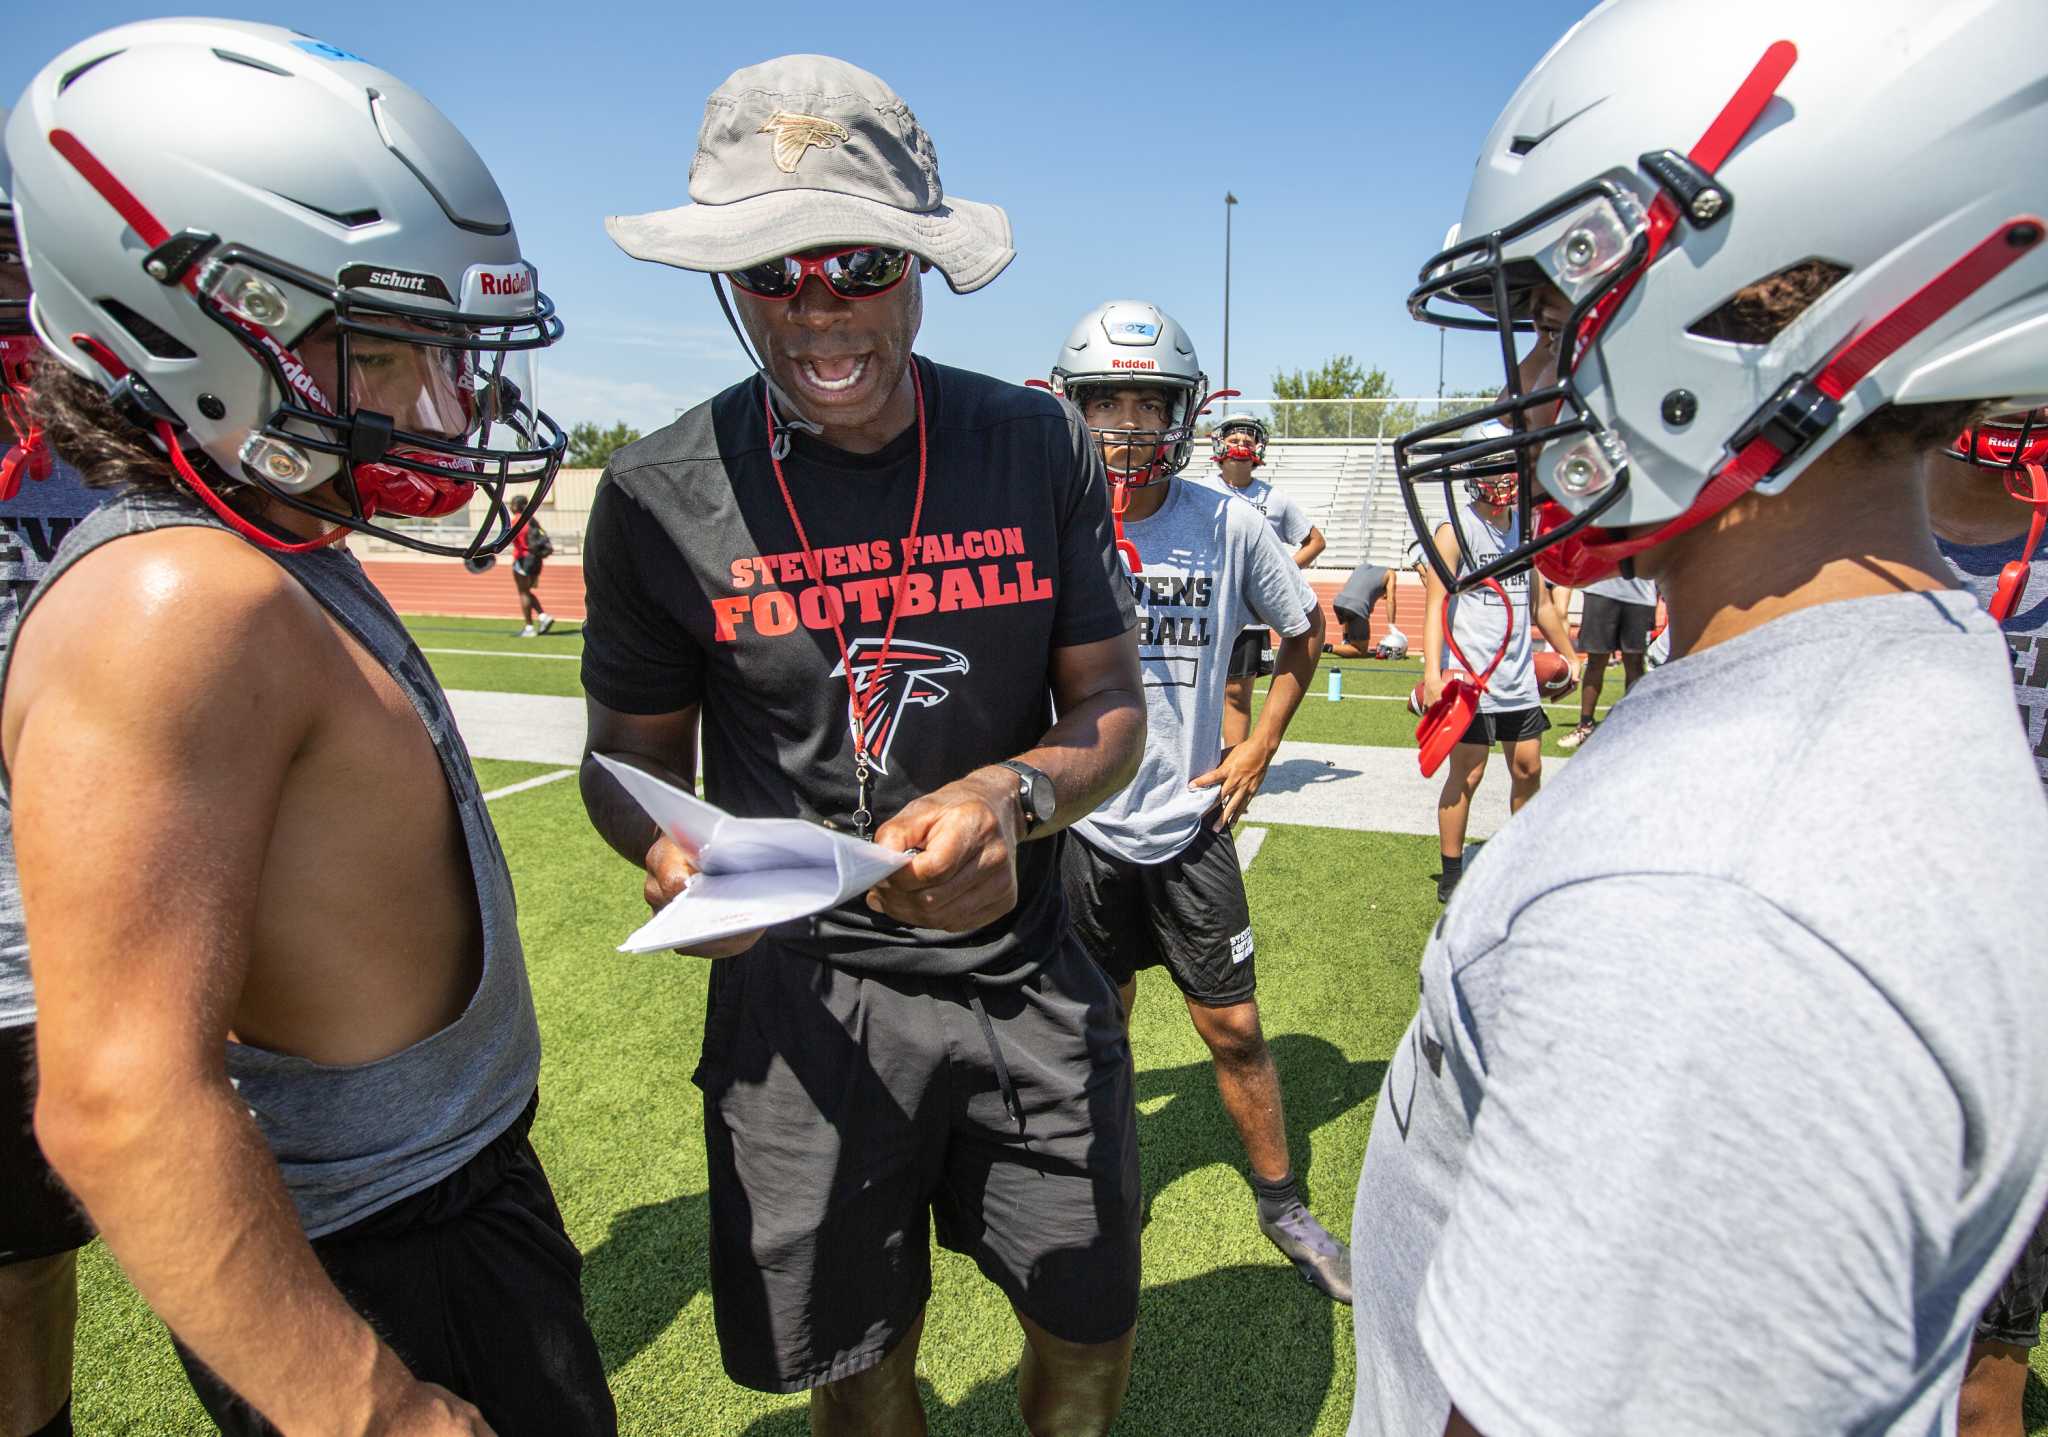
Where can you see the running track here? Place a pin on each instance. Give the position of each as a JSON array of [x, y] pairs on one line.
[[447, 588]]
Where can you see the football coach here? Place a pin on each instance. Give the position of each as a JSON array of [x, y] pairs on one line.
[[872, 580]]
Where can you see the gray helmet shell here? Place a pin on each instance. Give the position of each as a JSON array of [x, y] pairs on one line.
[[275, 143], [1130, 342], [1898, 141]]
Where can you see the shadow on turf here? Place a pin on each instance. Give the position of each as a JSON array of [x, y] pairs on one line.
[[1292, 775], [648, 1268], [1191, 1375], [1317, 1082]]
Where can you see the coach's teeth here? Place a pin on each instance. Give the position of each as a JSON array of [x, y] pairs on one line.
[[855, 369]]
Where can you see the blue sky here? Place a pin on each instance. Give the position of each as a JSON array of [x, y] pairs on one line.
[[1110, 135]]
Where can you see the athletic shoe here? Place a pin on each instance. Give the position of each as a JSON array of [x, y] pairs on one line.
[[1323, 1262], [547, 621], [527, 632], [1576, 737], [1446, 884]]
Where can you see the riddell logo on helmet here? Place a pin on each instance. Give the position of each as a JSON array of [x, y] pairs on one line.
[[1134, 364], [519, 281]]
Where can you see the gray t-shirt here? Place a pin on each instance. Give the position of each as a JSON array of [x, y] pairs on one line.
[[32, 524], [1724, 1107], [1210, 567], [1976, 568], [1286, 518]]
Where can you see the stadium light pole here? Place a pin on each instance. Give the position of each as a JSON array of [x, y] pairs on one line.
[[1229, 204]]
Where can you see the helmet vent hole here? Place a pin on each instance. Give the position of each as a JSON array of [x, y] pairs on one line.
[[72, 76], [347, 219], [264, 65], [1763, 309], [160, 343]]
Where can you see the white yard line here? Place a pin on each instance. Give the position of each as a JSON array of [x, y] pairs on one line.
[[524, 784], [505, 654], [1248, 845]]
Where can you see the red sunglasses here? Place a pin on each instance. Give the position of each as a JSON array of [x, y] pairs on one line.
[[857, 272]]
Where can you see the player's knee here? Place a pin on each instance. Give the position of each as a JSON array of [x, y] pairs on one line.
[[1234, 1035]]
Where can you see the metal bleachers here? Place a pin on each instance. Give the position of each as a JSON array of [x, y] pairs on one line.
[[1347, 489]]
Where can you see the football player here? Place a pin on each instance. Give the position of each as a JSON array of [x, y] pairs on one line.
[[1237, 447], [1485, 622], [1152, 876], [41, 1228], [286, 1048], [1724, 1107]]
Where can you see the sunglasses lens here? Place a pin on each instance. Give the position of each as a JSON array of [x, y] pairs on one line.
[[771, 279], [860, 273]]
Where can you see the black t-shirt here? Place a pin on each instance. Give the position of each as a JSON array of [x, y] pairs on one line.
[[697, 594]]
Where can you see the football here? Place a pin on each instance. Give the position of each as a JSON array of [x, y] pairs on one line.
[[1553, 675]]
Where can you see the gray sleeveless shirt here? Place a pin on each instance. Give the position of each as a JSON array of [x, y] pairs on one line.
[[32, 524], [351, 1140]]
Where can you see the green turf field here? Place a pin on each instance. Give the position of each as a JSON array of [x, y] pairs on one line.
[[1230, 1342]]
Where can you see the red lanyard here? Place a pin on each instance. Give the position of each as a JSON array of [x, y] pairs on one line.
[[859, 696]]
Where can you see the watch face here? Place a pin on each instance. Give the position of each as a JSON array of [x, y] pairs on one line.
[[1043, 805]]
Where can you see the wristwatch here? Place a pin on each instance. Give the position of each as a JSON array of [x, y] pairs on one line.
[[1034, 795]]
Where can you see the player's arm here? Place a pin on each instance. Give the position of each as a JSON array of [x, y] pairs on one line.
[[965, 873], [148, 759], [1433, 614], [1274, 592], [1311, 548], [1550, 621]]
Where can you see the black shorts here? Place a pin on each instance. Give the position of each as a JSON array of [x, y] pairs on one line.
[[1611, 626], [1510, 727], [2014, 1315], [527, 567], [475, 1285], [845, 1112], [1187, 912], [38, 1217], [1248, 655]]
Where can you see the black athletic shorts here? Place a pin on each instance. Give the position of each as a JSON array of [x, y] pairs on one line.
[[1187, 912], [1510, 727], [527, 567], [2014, 1315], [846, 1111], [1248, 655], [1611, 626], [38, 1217], [476, 1287]]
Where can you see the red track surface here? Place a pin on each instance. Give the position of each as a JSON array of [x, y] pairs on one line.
[[448, 588]]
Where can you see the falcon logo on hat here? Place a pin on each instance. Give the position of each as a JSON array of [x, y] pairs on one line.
[[795, 134]]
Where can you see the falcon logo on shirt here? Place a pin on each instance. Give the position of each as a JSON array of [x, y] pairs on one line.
[[908, 680]]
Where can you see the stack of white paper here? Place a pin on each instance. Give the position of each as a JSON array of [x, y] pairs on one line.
[[752, 872]]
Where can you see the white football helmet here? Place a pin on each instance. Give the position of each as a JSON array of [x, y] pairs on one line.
[[1129, 342], [1870, 141], [282, 259]]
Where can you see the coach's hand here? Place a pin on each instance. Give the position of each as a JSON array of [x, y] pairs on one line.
[[1238, 779], [964, 876], [669, 869]]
